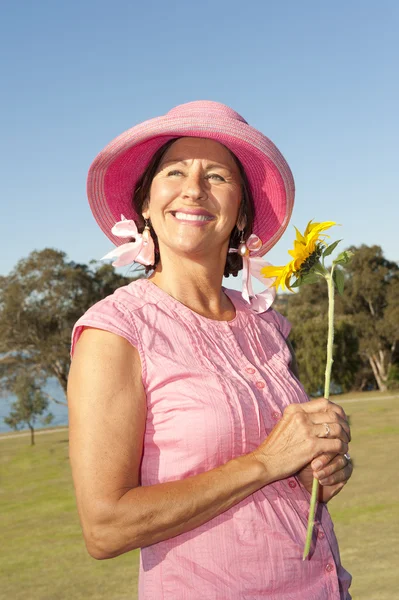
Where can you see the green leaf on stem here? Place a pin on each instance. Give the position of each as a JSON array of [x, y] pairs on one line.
[[331, 248], [311, 277], [339, 280], [343, 258], [297, 282]]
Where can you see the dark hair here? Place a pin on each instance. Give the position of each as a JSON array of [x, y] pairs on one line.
[[141, 193]]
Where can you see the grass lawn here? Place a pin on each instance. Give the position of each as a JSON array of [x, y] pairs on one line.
[[42, 555]]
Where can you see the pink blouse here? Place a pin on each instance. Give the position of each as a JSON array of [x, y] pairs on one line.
[[215, 390]]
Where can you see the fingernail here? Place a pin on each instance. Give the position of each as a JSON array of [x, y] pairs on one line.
[[317, 464]]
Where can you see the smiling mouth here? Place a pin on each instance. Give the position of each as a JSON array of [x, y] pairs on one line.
[[181, 216]]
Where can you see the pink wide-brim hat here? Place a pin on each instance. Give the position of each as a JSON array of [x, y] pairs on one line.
[[116, 170]]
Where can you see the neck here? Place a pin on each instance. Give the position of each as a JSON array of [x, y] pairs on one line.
[[196, 284]]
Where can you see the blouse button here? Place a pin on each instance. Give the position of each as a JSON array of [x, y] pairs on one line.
[[329, 567], [321, 535], [276, 416], [250, 370], [292, 483], [260, 384]]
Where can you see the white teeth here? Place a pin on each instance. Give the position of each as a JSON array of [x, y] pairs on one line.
[[187, 217]]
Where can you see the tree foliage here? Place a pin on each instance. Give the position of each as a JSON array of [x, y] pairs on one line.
[[40, 300], [366, 325], [307, 311], [30, 404], [371, 301]]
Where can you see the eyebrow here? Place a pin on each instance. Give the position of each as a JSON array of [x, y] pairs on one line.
[[184, 162]]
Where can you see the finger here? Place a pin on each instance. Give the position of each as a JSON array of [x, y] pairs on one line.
[[338, 463], [322, 460], [333, 445], [331, 431], [340, 476], [338, 409], [332, 490], [331, 416], [319, 405], [314, 405]]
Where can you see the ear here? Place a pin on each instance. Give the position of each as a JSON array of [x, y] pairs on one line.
[[241, 222], [241, 217], [146, 209]]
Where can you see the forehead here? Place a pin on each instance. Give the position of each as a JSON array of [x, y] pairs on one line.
[[190, 148]]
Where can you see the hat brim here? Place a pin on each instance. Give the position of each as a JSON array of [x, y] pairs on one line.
[[116, 170]]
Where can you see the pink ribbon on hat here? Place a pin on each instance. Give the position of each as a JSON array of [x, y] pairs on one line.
[[252, 265], [141, 250]]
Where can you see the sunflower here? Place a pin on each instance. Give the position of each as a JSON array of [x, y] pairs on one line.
[[306, 253]]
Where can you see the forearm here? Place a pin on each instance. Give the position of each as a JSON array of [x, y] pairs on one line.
[[147, 515]]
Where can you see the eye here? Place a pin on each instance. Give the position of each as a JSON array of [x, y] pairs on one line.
[[215, 176], [174, 172]]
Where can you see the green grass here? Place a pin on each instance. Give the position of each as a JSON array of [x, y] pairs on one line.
[[42, 554], [366, 513]]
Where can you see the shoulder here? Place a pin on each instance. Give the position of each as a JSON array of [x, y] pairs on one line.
[[132, 297], [271, 316], [116, 313], [281, 323]]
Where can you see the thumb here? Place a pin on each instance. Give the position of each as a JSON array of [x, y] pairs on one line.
[[321, 461]]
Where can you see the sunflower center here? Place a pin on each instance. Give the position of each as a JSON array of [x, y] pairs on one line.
[[311, 260]]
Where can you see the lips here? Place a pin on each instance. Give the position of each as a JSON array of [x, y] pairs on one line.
[[193, 211], [192, 219], [192, 216]]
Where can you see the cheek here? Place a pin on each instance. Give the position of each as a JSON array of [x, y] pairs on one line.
[[161, 193], [231, 205]]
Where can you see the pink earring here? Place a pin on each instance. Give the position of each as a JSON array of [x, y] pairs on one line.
[[243, 249], [141, 249], [146, 232]]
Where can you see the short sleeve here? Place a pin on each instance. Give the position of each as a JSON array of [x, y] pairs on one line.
[[281, 323], [108, 315]]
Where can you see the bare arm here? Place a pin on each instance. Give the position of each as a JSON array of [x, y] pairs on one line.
[[107, 419], [107, 411]]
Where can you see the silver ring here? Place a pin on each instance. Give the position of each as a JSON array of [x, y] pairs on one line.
[[328, 430], [347, 456]]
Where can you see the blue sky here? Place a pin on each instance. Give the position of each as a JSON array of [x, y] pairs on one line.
[[320, 79]]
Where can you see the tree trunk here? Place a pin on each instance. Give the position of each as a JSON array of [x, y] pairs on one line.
[[52, 399], [32, 435], [378, 371], [62, 378]]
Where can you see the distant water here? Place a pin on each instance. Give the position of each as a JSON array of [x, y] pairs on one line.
[[59, 411]]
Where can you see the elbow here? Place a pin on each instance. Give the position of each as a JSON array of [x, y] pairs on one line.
[[106, 541], [96, 542]]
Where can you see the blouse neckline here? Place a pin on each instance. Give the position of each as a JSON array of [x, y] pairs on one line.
[[160, 294]]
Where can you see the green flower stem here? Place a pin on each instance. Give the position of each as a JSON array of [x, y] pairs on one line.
[[327, 379]]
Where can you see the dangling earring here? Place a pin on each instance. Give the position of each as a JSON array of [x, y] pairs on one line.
[[243, 249], [146, 232]]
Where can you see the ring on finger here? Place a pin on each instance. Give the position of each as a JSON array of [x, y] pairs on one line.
[[328, 430], [347, 456]]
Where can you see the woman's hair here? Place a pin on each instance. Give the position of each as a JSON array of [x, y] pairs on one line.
[[142, 191]]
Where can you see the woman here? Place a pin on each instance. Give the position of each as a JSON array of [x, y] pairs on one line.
[[190, 435]]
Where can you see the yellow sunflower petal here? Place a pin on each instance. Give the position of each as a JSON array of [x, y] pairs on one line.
[[316, 228], [304, 246], [299, 236], [272, 271]]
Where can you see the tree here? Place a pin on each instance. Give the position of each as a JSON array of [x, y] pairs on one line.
[[30, 404], [307, 311], [40, 300], [371, 301]]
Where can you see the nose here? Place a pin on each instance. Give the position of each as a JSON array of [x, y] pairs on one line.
[[194, 186]]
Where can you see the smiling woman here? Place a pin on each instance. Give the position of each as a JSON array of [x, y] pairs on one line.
[[190, 436], [214, 173]]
